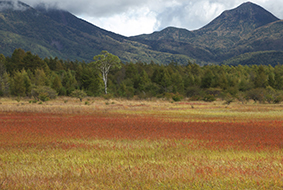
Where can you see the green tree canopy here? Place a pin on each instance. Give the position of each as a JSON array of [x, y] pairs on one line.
[[104, 62]]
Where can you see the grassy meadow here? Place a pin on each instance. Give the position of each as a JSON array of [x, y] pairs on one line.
[[133, 144]]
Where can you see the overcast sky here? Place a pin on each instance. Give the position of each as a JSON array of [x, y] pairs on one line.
[[134, 17]]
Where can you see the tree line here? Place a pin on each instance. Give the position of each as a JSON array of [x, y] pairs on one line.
[[24, 74]]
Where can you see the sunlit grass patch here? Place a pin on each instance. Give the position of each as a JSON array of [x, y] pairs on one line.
[[170, 146], [144, 164]]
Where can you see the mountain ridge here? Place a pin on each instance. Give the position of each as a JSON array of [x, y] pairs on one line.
[[53, 32]]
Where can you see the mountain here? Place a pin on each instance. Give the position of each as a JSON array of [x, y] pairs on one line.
[[59, 33], [246, 31], [239, 21]]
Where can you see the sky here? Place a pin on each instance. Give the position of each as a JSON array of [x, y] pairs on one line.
[[135, 17]]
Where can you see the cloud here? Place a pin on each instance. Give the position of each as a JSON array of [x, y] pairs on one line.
[[190, 15], [137, 21], [133, 17], [15, 5]]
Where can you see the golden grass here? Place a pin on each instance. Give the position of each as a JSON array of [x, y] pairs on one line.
[[185, 110]]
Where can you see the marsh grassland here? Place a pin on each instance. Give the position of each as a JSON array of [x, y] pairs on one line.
[[121, 144]]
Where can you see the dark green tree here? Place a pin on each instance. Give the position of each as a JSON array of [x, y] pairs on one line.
[[143, 80], [2, 65], [261, 79], [56, 83], [5, 84], [177, 83], [69, 81], [21, 83], [40, 78], [162, 77], [31, 62], [207, 80]]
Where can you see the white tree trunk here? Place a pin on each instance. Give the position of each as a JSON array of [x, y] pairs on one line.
[[104, 77]]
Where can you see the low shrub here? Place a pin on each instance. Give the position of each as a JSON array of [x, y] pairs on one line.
[[209, 98], [43, 93], [177, 97], [107, 96], [79, 94], [43, 96]]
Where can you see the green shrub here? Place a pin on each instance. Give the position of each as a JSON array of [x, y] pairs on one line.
[[278, 99], [209, 98], [194, 91], [168, 96], [79, 94], [18, 99], [195, 98], [214, 91], [43, 96], [43, 93], [107, 96], [257, 94], [177, 97]]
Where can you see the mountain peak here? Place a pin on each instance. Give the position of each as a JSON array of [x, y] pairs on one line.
[[253, 13], [245, 18]]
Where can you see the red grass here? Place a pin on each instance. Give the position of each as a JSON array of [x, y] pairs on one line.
[[36, 129]]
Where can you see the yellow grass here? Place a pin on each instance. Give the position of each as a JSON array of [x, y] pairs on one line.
[[182, 111]]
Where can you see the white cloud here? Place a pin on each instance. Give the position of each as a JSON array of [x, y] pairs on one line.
[[133, 22], [13, 4], [133, 17]]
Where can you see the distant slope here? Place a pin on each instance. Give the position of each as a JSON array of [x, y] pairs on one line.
[[257, 58], [175, 41]]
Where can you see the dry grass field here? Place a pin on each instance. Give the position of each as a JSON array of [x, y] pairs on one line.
[[132, 144]]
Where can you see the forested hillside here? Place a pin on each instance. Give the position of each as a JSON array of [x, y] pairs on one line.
[[27, 75]]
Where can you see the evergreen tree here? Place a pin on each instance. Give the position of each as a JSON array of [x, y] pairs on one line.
[[18, 84], [278, 77], [90, 81], [178, 83], [2, 65], [31, 62], [15, 62], [69, 81], [5, 84], [207, 80], [40, 78], [162, 78], [27, 82], [261, 79], [143, 80], [56, 83]]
